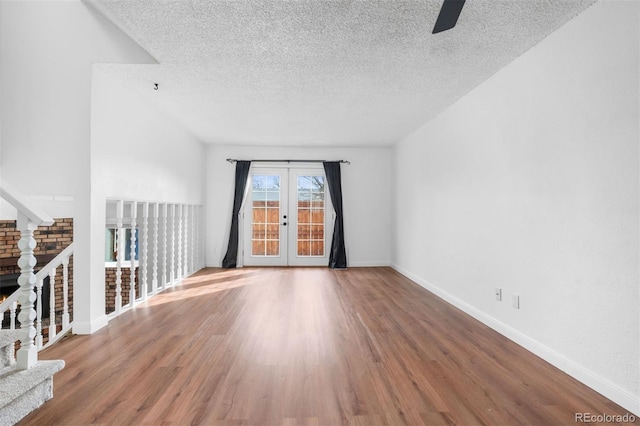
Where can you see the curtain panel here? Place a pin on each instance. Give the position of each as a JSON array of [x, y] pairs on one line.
[[338, 253], [242, 173]]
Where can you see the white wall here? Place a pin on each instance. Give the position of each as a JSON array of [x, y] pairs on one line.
[[47, 49], [530, 183], [138, 151], [366, 187]]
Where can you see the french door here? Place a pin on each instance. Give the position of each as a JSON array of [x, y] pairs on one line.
[[287, 218]]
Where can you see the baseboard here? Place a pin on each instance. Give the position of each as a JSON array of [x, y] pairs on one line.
[[359, 264], [580, 373], [365, 264], [90, 327]]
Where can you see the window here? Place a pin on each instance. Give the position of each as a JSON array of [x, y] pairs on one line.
[[310, 216], [265, 240], [112, 244]]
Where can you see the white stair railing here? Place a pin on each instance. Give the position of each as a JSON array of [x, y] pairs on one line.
[[50, 270], [10, 304], [29, 218]]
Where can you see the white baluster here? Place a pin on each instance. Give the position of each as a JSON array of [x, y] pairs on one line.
[[183, 241], [184, 235], [28, 352], [120, 243], [172, 266], [144, 247], [154, 274], [198, 240], [193, 239], [179, 240], [200, 237], [65, 293], [165, 243], [39, 341], [12, 315], [12, 325], [192, 247], [185, 262], [52, 304], [132, 288]]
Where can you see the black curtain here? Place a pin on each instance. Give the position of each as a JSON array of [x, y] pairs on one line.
[[338, 254], [242, 173]]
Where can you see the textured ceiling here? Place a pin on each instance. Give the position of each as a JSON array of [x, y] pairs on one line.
[[320, 72]]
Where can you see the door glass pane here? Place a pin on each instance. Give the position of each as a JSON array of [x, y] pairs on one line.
[[310, 200], [265, 192], [259, 182]]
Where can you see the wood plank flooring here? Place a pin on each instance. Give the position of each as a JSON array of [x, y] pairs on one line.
[[305, 346]]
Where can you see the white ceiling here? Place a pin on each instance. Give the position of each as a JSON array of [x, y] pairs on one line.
[[320, 72]]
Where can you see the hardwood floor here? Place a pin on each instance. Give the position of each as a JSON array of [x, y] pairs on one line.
[[305, 346]]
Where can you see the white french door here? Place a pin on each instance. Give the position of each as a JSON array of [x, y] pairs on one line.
[[266, 218], [288, 218], [311, 218]]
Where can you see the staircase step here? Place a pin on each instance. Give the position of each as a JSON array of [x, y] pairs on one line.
[[7, 338], [22, 391]]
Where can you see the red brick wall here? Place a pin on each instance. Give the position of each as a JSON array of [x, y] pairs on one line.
[[51, 240], [110, 287]]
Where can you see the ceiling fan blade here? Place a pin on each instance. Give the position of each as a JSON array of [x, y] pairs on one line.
[[448, 15]]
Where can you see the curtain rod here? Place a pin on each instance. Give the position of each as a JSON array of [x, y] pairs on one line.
[[233, 160]]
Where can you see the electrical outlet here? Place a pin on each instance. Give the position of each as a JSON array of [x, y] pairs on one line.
[[498, 294], [515, 301]]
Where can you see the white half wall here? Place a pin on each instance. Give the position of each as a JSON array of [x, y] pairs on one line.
[[366, 187], [530, 183]]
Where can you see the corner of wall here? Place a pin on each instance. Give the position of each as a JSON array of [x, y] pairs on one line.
[[90, 327]]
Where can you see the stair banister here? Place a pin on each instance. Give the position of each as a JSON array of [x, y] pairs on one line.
[[24, 206], [49, 270], [65, 292], [29, 218], [28, 353]]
